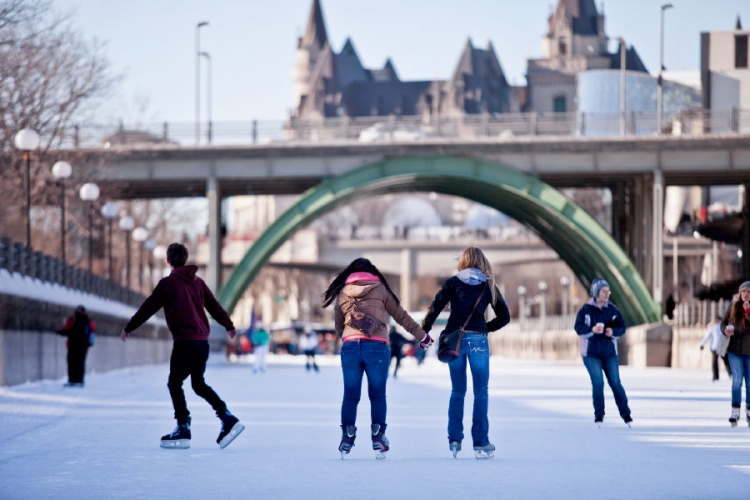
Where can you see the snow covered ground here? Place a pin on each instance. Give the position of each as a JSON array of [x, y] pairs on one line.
[[102, 441]]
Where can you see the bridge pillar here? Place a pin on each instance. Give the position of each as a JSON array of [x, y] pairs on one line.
[[407, 278], [213, 267]]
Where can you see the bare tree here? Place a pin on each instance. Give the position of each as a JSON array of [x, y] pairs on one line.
[[49, 77]]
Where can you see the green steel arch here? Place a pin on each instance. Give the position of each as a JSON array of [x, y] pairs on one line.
[[576, 237]]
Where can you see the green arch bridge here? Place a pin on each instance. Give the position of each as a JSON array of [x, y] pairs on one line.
[[580, 240]]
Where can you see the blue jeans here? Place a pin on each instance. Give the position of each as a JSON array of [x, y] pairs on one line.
[[372, 358], [476, 350], [610, 365], [740, 366]]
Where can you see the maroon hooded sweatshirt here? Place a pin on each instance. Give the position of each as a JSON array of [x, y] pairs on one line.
[[184, 296]]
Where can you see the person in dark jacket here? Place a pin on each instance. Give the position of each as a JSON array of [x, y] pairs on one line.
[[184, 296], [469, 293], [736, 325], [397, 342], [598, 325], [361, 298], [80, 330]]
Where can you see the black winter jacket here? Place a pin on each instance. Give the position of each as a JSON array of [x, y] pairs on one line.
[[462, 297]]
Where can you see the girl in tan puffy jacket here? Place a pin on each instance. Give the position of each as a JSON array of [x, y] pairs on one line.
[[361, 298]]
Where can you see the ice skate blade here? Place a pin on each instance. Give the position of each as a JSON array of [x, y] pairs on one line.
[[483, 455], [733, 424], [236, 430], [380, 455], [181, 444]]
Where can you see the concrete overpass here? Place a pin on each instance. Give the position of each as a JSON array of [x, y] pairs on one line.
[[636, 169]]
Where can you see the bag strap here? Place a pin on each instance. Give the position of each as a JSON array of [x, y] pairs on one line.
[[481, 294]]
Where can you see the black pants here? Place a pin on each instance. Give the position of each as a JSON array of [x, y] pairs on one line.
[[77, 362], [310, 357], [715, 365], [189, 359]]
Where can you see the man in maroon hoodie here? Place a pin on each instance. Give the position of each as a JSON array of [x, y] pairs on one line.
[[184, 296]]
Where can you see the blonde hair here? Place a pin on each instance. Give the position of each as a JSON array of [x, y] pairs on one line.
[[474, 257]]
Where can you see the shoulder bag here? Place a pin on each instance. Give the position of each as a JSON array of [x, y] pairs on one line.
[[722, 345], [449, 343]]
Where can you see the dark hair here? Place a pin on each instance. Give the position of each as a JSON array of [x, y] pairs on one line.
[[360, 265], [177, 254]]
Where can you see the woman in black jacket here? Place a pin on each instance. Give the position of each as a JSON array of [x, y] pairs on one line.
[[469, 293], [736, 325]]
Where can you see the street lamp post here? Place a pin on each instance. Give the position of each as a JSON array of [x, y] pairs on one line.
[[127, 224], [198, 80], [90, 192], [623, 64], [209, 76], [27, 140], [140, 234], [521, 305], [160, 255], [564, 283], [660, 82], [542, 285], [109, 212], [61, 170], [150, 245]]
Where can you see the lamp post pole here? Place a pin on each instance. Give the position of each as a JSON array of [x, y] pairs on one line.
[[521, 305], [198, 80], [543, 302], [27, 140], [109, 212], [90, 192], [623, 54], [140, 234], [660, 81], [564, 283], [209, 76], [127, 224], [61, 170]]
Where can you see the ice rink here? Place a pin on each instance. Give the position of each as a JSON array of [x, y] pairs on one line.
[[102, 441]]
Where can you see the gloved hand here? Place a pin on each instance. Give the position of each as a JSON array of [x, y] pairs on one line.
[[232, 333], [426, 342]]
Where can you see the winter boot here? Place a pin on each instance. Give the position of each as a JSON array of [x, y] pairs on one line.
[[455, 447], [735, 416], [348, 435], [380, 443], [230, 429], [179, 438], [481, 452]]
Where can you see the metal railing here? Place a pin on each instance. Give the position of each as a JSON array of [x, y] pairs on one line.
[[18, 258], [505, 126]]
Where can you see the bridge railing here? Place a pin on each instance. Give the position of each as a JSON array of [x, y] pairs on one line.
[[502, 126], [18, 258]]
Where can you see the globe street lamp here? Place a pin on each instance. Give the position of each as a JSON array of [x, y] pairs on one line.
[[90, 192], [521, 305], [150, 244], [140, 234], [160, 254], [565, 283], [27, 140], [542, 285], [127, 224], [109, 212], [61, 170]]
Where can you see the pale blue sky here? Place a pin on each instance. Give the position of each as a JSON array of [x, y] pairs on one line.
[[252, 43]]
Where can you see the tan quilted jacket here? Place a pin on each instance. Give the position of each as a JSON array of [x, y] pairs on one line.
[[374, 299]]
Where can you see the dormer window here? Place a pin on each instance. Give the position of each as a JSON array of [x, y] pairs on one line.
[[562, 47]]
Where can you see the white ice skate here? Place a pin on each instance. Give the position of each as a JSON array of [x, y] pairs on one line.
[[484, 452]]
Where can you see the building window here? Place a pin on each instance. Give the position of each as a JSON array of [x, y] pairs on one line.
[[740, 51], [562, 48], [559, 104]]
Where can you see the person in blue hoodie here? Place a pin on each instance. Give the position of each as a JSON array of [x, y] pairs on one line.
[[598, 325], [469, 293]]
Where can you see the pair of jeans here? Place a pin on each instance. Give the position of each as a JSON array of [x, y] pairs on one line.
[[740, 366], [475, 351], [610, 366], [358, 358], [189, 360]]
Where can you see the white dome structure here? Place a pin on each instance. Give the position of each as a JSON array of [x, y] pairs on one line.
[[482, 216], [411, 212]]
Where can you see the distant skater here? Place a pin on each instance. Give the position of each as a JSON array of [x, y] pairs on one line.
[[260, 339], [598, 325], [79, 329], [184, 296], [309, 344]]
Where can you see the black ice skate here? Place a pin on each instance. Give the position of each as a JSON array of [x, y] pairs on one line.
[[735, 417], [455, 447], [628, 420], [230, 429], [179, 438], [348, 435], [380, 443]]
